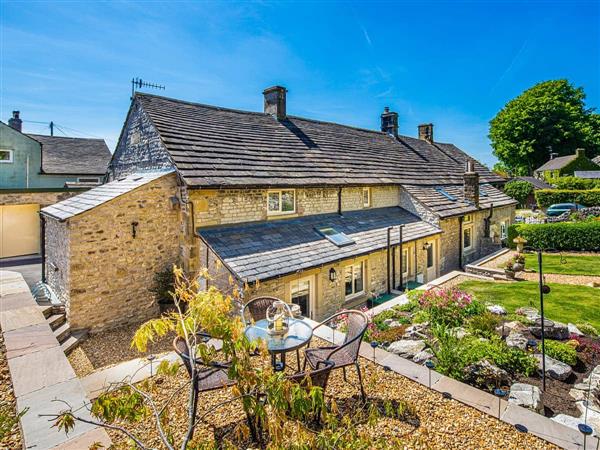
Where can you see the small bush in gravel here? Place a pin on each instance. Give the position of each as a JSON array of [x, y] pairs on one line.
[[587, 328], [561, 351], [484, 325]]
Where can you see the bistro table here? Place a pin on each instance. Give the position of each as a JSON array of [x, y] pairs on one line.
[[298, 335]]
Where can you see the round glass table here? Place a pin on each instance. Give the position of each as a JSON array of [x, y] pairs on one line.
[[298, 335]]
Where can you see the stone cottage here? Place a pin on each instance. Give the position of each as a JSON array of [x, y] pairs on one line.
[[565, 166], [319, 214]]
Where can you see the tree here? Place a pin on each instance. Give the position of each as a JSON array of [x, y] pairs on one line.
[[550, 115], [519, 190]]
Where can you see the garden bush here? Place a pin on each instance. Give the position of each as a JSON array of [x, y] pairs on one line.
[[519, 190], [575, 183], [389, 335], [561, 351], [484, 325], [587, 328], [559, 236], [547, 197], [448, 306]]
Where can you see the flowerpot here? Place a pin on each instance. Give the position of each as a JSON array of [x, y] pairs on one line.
[[518, 267]]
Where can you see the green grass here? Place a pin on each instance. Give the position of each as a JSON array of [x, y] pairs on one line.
[[565, 303], [573, 265]]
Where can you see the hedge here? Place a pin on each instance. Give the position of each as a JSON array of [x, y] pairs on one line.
[[576, 183], [559, 236], [547, 197]]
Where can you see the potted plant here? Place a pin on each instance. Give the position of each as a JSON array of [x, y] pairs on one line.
[[518, 262], [509, 269]]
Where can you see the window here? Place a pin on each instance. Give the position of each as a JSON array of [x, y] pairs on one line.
[[503, 230], [445, 194], [88, 180], [468, 238], [430, 256], [334, 236], [300, 293], [366, 197], [6, 156], [468, 218], [281, 202], [354, 279], [405, 261]]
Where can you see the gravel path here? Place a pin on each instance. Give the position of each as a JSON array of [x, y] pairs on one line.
[[8, 404], [112, 347], [563, 279], [441, 424]]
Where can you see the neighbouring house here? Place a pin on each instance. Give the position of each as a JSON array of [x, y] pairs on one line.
[[565, 166], [319, 214], [36, 171], [589, 174], [537, 184]]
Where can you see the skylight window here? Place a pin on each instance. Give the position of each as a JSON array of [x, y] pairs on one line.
[[335, 236], [483, 192], [445, 194]]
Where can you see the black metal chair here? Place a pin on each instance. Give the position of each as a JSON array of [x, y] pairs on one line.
[[345, 354], [314, 378]]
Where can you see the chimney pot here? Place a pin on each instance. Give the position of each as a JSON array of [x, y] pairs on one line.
[[471, 183], [15, 121], [275, 102], [389, 122], [426, 132]]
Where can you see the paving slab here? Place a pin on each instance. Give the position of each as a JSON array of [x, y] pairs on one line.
[[37, 431], [39, 370], [14, 301], [85, 440], [547, 429], [471, 396], [409, 369], [31, 339], [20, 317], [13, 286]]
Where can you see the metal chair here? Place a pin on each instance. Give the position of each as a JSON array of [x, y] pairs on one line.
[[345, 354], [314, 378]]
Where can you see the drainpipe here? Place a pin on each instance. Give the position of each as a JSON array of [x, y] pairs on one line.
[[401, 227], [340, 200], [416, 244], [488, 221], [43, 244], [388, 259], [460, 242]]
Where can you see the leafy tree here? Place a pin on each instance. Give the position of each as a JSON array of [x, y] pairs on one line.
[[551, 114], [519, 190]]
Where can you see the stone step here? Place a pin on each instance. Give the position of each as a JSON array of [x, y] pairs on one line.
[[73, 341], [56, 320], [62, 333], [47, 310]]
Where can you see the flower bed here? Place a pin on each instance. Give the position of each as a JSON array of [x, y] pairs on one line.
[[480, 344]]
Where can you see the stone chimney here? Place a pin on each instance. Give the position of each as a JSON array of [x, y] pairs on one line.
[[426, 132], [580, 152], [15, 122], [471, 184], [389, 122], [275, 101]]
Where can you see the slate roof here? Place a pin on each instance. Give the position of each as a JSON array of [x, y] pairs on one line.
[[219, 147], [69, 155], [260, 251], [433, 198], [537, 183], [557, 163], [587, 173], [596, 160], [99, 195]]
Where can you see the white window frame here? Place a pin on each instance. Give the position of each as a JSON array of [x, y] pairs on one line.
[[366, 190], [279, 212], [468, 218], [470, 247], [503, 229], [405, 266], [311, 293], [96, 179], [363, 266], [11, 156]]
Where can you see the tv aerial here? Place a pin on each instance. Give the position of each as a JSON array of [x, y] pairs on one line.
[[139, 83]]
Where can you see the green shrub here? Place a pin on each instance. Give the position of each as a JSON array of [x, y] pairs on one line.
[[495, 350], [561, 351], [484, 325], [450, 352], [519, 190], [412, 305], [575, 183], [389, 335], [587, 328], [382, 317], [559, 236], [547, 197], [420, 317]]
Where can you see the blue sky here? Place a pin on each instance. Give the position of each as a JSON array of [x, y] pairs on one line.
[[451, 63]]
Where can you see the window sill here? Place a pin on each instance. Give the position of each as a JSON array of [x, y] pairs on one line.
[[284, 215], [352, 297]]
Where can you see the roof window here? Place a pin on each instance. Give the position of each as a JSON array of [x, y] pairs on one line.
[[445, 194], [335, 236]]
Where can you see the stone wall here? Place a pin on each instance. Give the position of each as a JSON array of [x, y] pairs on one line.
[[41, 198], [409, 203], [228, 206], [58, 246], [139, 148], [110, 272]]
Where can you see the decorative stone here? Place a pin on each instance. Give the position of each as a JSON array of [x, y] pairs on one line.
[[392, 323], [552, 330], [406, 348], [531, 313], [497, 309], [526, 395], [515, 339], [423, 356], [593, 415], [573, 329], [416, 331], [570, 421], [459, 332], [486, 375], [554, 368], [511, 326]]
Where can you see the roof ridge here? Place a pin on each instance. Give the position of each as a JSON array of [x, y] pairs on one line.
[[64, 137]]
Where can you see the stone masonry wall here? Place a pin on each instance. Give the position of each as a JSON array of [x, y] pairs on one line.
[[139, 148], [111, 272], [409, 203], [41, 198], [58, 247], [228, 206]]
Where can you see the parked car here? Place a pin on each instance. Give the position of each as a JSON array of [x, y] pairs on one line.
[[559, 208]]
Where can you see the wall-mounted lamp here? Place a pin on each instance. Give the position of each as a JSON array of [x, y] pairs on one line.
[[134, 229], [175, 202], [332, 275], [426, 246]]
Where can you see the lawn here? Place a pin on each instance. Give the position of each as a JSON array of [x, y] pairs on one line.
[[570, 265], [565, 303]]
